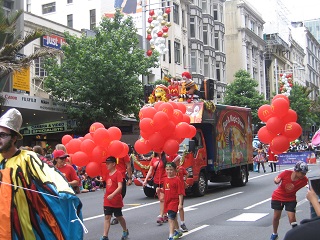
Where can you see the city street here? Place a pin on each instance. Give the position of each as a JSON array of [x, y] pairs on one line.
[[223, 213]]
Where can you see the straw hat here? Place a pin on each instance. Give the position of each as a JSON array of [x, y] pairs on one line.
[[12, 119]]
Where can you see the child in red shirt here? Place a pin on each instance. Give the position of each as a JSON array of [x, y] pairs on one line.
[[173, 197], [113, 202]]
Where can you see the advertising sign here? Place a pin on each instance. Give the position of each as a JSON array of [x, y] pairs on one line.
[[293, 157], [21, 80], [53, 41], [51, 127]]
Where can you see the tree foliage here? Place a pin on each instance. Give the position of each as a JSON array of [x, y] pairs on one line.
[[242, 92], [98, 78]]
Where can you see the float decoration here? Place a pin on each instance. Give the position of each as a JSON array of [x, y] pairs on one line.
[[285, 83]]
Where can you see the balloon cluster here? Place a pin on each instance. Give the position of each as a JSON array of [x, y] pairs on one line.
[[158, 30], [281, 127], [93, 149], [286, 83], [163, 127]]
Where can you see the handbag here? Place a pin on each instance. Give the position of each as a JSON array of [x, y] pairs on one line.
[[150, 183]]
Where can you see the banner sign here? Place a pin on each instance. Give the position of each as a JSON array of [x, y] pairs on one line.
[[53, 41], [294, 157], [51, 127]]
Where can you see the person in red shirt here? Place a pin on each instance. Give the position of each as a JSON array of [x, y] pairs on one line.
[[113, 201], [157, 170], [66, 169], [285, 195], [173, 196]]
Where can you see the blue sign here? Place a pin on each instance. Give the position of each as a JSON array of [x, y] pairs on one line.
[[293, 157], [53, 41]]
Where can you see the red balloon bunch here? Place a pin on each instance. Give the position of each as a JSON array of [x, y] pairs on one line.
[[281, 127], [95, 147], [163, 127]]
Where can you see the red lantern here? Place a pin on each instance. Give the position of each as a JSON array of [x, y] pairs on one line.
[[280, 107], [265, 136], [151, 12], [150, 19], [80, 159], [95, 126], [171, 147], [87, 146], [65, 139], [165, 29], [73, 145], [160, 33], [142, 146], [101, 137], [156, 140], [265, 112], [182, 130], [167, 108], [160, 120], [93, 169], [149, 37], [99, 154], [115, 148], [114, 133], [147, 112], [168, 10], [275, 125], [146, 125], [291, 116], [292, 130], [279, 144], [149, 52]]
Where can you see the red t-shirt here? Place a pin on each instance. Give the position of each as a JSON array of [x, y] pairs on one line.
[[111, 185], [160, 172], [172, 187], [171, 157], [122, 165], [286, 192], [69, 172]]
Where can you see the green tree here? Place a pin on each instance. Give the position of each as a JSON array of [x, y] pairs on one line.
[[98, 78], [242, 92]]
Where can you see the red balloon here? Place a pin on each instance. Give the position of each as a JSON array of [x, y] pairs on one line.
[[182, 107], [160, 120], [142, 146], [157, 105], [93, 169], [265, 112], [279, 144], [145, 135], [291, 116], [192, 131], [168, 10], [174, 105], [292, 130], [150, 19], [95, 126], [151, 12], [88, 136], [149, 37], [146, 125], [147, 112], [171, 147], [125, 150], [280, 107], [149, 52], [156, 140], [73, 145], [167, 108], [265, 136], [103, 169], [182, 130], [65, 139], [160, 33], [186, 118], [281, 96], [101, 137], [80, 159], [87, 146], [114, 133], [115, 148], [168, 130], [99, 154], [177, 116], [275, 125]]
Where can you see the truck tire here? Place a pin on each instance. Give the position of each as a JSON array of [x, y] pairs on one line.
[[239, 177], [200, 187], [149, 192]]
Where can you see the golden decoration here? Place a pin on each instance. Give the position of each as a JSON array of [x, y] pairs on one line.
[[138, 162], [165, 35], [168, 24], [152, 47], [149, 30], [209, 105], [163, 22], [165, 15]]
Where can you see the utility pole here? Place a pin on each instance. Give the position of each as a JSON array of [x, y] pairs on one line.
[[144, 37]]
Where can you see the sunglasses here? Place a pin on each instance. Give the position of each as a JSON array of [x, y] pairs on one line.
[[4, 135], [63, 158]]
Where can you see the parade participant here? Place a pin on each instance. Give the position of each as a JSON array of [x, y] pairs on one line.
[[173, 197], [113, 202], [272, 160], [285, 195], [36, 201], [40, 153], [157, 169], [260, 158]]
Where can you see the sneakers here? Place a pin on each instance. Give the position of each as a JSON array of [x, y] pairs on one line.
[[274, 236], [160, 220], [170, 238], [104, 238], [125, 235], [114, 221], [165, 218], [184, 228], [177, 234]]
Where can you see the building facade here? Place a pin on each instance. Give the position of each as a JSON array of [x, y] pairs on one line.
[[313, 26], [244, 42]]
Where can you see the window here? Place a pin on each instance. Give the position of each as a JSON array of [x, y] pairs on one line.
[[199, 35], [200, 63], [205, 34], [169, 47], [206, 67], [48, 8], [252, 23], [165, 4], [38, 66], [218, 72], [183, 15], [215, 12], [204, 6], [216, 40], [28, 6], [176, 13], [69, 1], [184, 56], [70, 20], [177, 53], [193, 61], [221, 13], [92, 19], [192, 28]]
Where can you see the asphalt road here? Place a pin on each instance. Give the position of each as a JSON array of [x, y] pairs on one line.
[[224, 213]]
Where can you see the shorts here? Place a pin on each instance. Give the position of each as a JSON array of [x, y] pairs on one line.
[[172, 215], [110, 210], [289, 206]]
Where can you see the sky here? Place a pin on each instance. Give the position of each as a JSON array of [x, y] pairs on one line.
[[300, 9]]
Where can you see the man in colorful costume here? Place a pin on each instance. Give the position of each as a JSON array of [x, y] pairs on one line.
[[36, 200]]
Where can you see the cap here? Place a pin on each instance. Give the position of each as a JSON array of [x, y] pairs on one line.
[[12, 119], [59, 154], [301, 167], [111, 159]]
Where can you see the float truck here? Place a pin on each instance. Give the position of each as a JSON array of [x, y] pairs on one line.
[[221, 150]]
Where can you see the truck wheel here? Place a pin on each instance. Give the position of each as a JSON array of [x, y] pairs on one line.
[[239, 179], [200, 187], [149, 192]]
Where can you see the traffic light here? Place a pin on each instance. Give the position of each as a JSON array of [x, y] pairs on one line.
[[147, 91]]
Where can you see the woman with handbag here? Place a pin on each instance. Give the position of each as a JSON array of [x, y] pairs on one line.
[[158, 173], [260, 158]]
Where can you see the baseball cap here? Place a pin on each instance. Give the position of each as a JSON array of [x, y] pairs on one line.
[[111, 159], [59, 154], [301, 167]]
